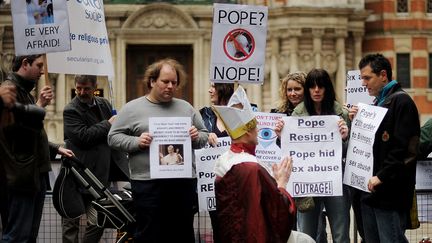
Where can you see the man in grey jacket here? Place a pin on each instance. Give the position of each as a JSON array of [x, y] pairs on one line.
[[87, 120], [164, 207]]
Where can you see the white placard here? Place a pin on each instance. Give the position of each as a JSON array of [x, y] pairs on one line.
[[424, 207], [238, 43], [40, 27], [171, 148], [355, 92], [315, 144], [90, 52], [359, 161], [424, 175], [205, 160], [267, 151]]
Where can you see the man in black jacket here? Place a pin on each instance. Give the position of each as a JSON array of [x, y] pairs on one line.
[[385, 211], [25, 153], [87, 121]]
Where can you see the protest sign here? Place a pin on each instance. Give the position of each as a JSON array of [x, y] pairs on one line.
[[359, 161], [238, 43], [424, 175], [355, 92], [40, 26], [267, 151], [90, 52], [171, 148], [315, 144], [205, 160]]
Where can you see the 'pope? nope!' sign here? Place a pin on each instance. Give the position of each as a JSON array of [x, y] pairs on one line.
[[238, 43]]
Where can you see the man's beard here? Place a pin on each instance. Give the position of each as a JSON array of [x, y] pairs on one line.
[[85, 99]]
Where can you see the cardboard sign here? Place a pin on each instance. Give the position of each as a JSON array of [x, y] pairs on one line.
[[238, 43], [40, 26]]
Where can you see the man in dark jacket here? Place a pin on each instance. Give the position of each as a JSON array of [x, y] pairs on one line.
[[25, 153], [87, 121], [385, 211]]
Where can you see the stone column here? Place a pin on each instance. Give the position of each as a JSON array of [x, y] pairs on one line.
[[206, 71], [358, 38], [2, 34], [341, 34], [294, 35], [317, 46], [274, 73], [61, 93]]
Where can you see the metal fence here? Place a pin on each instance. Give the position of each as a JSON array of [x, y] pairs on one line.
[[50, 229]]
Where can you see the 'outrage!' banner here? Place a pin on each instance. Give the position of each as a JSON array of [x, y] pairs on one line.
[[315, 144]]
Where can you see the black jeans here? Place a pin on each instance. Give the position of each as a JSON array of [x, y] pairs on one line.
[[165, 210]]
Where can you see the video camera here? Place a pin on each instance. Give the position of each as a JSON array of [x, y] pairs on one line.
[[29, 115]]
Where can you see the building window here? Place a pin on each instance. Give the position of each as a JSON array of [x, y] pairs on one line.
[[403, 69], [429, 6], [402, 6]]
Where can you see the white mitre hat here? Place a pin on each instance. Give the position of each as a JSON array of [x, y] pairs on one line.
[[237, 116]]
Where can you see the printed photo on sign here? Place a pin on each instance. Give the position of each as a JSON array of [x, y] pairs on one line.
[[239, 45], [40, 26], [171, 147], [315, 144], [40, 12], [171, 154], [267, 151]]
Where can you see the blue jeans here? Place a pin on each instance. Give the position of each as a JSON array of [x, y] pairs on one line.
[[24, 214], [382, 225], [337, 209]]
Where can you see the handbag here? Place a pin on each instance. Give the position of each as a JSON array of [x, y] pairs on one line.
[[413, 222], [67, 198], [304, 204]]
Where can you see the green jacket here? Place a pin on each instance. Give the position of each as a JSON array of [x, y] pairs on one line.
[[425, 146], [300, 110]]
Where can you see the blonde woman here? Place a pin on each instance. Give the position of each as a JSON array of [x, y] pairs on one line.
[[291, 93]]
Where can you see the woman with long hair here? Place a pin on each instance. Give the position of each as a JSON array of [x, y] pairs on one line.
[[320, 99], [291, 93], [220, 93]]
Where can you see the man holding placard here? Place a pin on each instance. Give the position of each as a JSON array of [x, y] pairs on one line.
[[164, 207], [385, 210], [25, 152]]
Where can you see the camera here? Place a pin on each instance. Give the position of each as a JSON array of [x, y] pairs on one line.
[[29, 115]]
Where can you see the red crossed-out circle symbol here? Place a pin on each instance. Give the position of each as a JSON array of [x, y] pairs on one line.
[[239, 45]]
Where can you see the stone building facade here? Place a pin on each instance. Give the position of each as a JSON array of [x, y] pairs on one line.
[[302, 34]]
